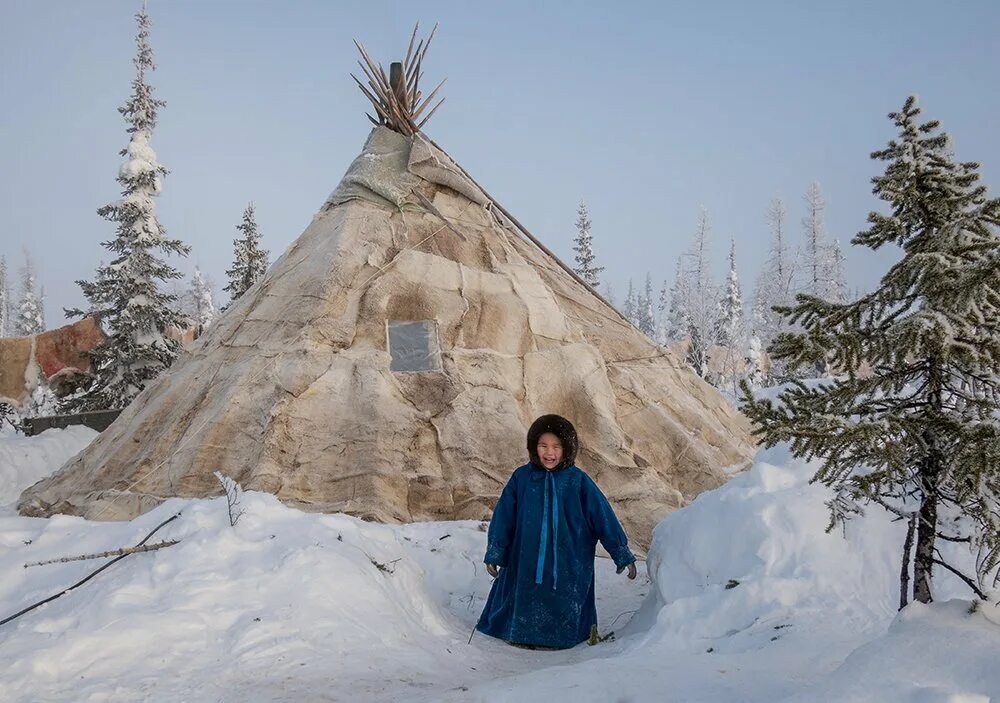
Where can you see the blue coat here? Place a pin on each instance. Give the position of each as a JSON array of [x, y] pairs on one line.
[[543, 534]]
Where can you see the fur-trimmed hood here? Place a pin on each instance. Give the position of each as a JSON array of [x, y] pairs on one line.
[[561, 428]]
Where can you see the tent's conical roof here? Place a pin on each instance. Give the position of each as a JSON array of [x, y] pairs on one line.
[[292, 390]]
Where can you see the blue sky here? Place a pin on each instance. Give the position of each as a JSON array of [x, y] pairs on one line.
[[646, 110]]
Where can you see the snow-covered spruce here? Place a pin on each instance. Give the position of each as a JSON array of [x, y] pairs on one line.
[[730, 326], [5, 299], [30, 316], [126, 293], [42, 401], [919, 434], [662, 308], [200, 305], [630, 308], [583, 245], [676, 320], [10, 418], [645, 318], [250, 261]]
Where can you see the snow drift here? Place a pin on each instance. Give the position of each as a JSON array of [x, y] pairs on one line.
[[25, 460], [280, 601], [751, 600]]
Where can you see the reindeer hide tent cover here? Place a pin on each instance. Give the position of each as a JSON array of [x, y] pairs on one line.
[[388, 366]]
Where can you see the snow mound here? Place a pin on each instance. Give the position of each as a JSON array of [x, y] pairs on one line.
[[283, 597], [751, 600], [26, 460], [941, 653], [754, 555]]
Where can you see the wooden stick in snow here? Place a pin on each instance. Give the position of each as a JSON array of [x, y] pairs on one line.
[[112, 553], [86, 578]]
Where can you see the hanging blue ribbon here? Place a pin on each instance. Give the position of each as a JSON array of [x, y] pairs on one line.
[[543, 542], [555, 533]]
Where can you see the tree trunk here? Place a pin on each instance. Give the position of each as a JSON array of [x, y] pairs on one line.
[[923, 564], [929, 475], [904, 572]]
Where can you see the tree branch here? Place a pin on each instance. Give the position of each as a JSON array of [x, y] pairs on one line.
[[904, 572], [112, 553], [968, 582], [85, 578], [949, 538]]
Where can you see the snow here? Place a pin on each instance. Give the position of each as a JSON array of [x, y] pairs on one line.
[[774, 544], [294, 606], [26, 460], [141, 161], [883, 670]]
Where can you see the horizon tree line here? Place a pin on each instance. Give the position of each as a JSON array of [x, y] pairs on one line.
[[725, 337]]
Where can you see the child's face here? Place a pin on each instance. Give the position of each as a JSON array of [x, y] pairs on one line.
[[550, 451]]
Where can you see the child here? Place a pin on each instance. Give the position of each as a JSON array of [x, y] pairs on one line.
[[542, 537]]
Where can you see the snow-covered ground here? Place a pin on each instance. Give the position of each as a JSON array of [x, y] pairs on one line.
[[750, 600], [26, 460]]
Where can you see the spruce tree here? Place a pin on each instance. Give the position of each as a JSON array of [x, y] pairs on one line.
[[30, 319], [41, 308], [730, 326], [201, 307], [756, 368], [729, 323], [583, 245], [697, 352], [919, 433], [125, 294], [9, 417], [677, 324], [42, 401], [837, 275], [250, 261], [631, 307], [4, 299], [662, 311], [645, 319]]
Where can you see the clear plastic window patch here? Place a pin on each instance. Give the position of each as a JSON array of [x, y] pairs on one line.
[[414, 346]]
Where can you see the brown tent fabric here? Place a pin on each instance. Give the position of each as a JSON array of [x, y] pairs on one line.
[[15, 355], [67, 348], [293, 390], [55, 353]]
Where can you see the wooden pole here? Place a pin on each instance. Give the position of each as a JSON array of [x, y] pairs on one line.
[[397, 83], [112, 553]]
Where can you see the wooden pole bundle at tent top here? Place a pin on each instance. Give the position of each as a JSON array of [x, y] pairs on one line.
[[399, 104]]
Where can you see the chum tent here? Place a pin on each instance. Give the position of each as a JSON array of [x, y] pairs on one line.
[[390, 361]]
